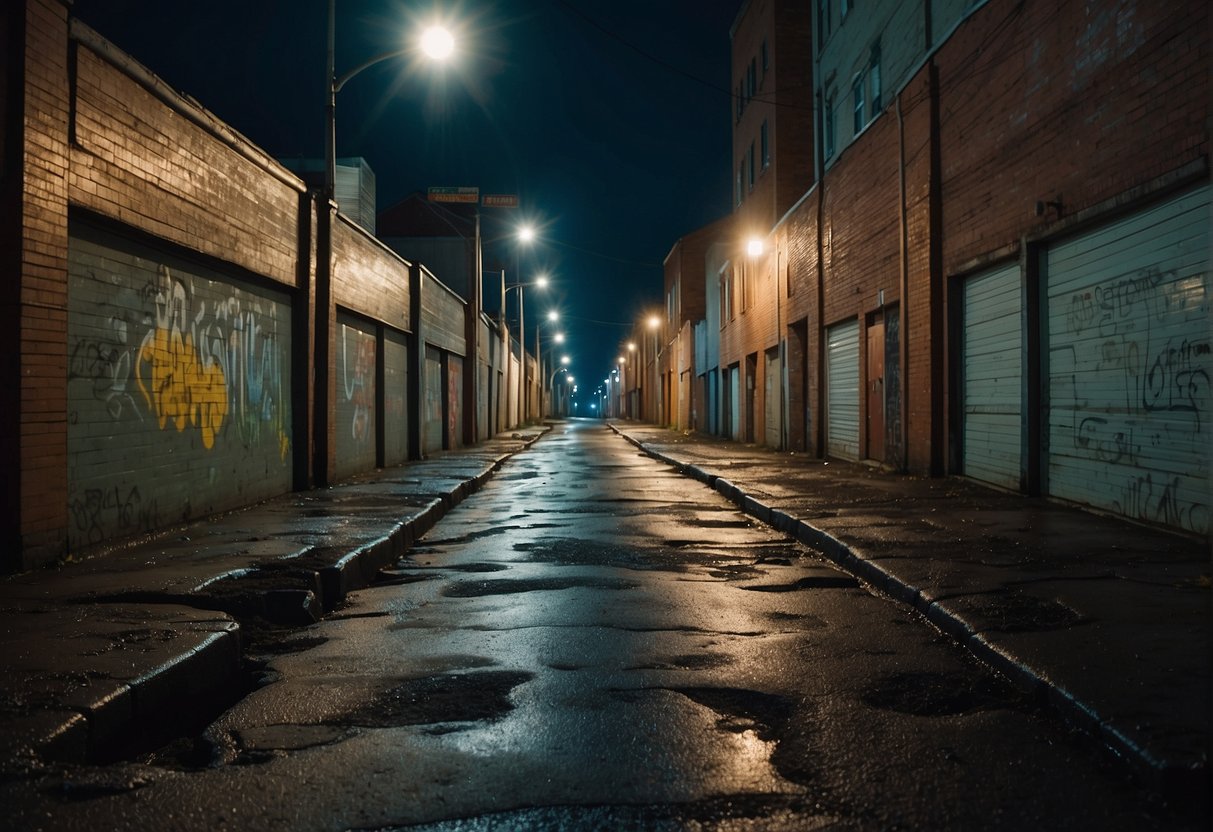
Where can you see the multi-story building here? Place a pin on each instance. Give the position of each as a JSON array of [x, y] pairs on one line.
[[997, 265]]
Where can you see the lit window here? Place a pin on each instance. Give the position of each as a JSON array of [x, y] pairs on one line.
[[857, 92], [766, 147]]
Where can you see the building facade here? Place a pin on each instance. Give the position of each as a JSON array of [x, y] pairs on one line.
[[996, 265]]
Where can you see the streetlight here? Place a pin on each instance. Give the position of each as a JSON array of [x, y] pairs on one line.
[[552, 317], [436, 42], [525, 234]]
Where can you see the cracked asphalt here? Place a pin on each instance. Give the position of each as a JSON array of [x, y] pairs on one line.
[[594, 641]]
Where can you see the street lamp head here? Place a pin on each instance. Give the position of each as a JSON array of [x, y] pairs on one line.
[[437, 43], [654, 322], [526, 233], [564, 359], [553, 315], [621, 360], [558, 337], [631, 346], [541, 281], [754, 247]]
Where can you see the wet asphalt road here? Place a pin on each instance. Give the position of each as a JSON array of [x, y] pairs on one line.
[[595, 642]]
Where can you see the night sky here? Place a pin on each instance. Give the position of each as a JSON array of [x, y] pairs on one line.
[[610, 119]]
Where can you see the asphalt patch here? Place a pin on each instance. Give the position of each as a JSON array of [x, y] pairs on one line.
[[1018, 612], [451, 697], [566, 551], [938, 694]]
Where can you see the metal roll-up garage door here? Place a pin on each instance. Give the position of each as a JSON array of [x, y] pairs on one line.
[[772, 400], [1129, 412], [992, 364], [432, 426], [842, 391]]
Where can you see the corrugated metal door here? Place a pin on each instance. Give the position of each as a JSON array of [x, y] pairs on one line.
[[1129, 365], [842, 391], [432, 426], [992, 366]]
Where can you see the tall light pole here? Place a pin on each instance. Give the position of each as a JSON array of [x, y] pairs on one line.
[[436, 42], [552, 317], [655, 322]]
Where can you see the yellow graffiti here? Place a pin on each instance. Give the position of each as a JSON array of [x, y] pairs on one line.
[[180, 387]]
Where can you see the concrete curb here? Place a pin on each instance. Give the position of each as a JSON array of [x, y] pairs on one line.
[[951, 622]]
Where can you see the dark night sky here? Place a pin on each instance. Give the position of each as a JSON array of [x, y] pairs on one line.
[[615, 133]]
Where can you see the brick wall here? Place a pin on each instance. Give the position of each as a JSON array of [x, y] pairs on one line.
[[39, 311], [1069, 101]]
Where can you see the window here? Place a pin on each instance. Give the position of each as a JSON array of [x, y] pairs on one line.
[[740, 183], [726, 294], [751, 160], [751, 80], [844, 7], [823, 21], [874, 79], [857, 92], [744, 278], [766, 146], [740, 99], [766, 57], [828, 138]]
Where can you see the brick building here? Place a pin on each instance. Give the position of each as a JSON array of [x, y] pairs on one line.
[[190, 328], [997, 264]]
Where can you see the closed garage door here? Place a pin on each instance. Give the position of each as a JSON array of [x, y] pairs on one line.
[[992, 366], [772, 400], [431, 437], [842, 407], [1129, 365]]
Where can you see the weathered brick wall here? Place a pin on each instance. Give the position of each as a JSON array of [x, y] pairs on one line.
[[35, 312], [175, 171], [178, 387], [1072, 101]]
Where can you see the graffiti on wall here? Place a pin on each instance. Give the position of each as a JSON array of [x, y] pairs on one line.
[[358, 375], [203, 362], [1139, 389], [178, 400]]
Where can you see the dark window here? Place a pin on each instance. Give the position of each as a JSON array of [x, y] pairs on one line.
[[766, 57], [829, 127], [752, 171], [874, 79], [766, 146], [857, 91]]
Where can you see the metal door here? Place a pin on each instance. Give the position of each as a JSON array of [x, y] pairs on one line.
[[992, 377], [1129, 364], [842, 390], [735, 402], [432, 424], [772, 401], [875, 382]]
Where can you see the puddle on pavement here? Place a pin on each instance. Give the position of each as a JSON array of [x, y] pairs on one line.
[[814, 582], [687, 661], [564, 551], [506, 586]]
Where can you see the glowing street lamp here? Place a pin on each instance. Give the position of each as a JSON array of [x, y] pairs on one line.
[[435, 42]]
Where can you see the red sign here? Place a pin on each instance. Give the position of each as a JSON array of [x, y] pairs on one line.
[[500, 201]]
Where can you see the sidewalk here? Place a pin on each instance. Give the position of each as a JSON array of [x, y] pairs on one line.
[[122, 650], [1106, 620]]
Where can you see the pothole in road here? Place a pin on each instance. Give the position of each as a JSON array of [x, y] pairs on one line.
[[506, 586], [453, 697], [565, 551], [1017, 612], [938, 694], [812, 582]]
